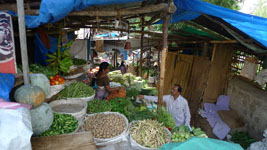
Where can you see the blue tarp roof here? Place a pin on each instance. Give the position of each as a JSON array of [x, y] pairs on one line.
[[255, 27]]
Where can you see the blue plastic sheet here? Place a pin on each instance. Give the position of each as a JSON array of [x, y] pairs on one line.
[[50, 12], [6, 84], [253, 26], [40, 50], [196, 143]]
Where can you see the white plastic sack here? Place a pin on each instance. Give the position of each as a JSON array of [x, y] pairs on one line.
[[54, 90], [122, 137], [85, 99], [261, 145], [78, 114], [15, 129]]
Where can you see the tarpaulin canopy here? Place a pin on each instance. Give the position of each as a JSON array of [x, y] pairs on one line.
[[50, 11], [253, 26]]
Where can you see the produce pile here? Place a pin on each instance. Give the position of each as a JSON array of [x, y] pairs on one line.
[[243, 139], [46, 70], [62, 124], [76, 90], [75, 71], [141, 114], [56, 80], [96, 106], [132, 93], [105, 126], [149, 133], [128, 80], [152, 91], [182, 133], [77, 61], [165, 117], [119, 93], [123, 106]]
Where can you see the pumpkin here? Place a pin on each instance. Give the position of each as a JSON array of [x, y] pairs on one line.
[[41, 118], [28, 94], [42, 81]]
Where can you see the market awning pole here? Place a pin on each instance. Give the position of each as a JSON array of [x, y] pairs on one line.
[[142, 47], [23, 42], [163, 58]]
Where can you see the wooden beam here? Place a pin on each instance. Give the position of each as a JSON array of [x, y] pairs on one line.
[[163, 58], [162, 7], [224, 42]]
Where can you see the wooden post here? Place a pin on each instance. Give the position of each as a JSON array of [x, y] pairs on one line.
[[142, 47], [205, 51], [213, 52], [159, 56], [23, 41], [149, 63], [163, 58]]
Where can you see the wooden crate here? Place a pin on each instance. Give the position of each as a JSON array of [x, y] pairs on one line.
[[77, 141]]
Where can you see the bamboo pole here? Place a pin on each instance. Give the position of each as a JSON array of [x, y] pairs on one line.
[[159, 56], [142, 47], [23, 42], [163, 58]]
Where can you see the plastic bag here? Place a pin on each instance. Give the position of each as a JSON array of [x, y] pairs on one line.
[[79, 114], [6, 84], [261, 145], [54, 90], [15, 129]]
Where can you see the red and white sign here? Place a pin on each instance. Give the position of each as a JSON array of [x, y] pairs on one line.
[[7, 48]]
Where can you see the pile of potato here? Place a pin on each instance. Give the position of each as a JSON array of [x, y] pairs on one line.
[[105, 126]]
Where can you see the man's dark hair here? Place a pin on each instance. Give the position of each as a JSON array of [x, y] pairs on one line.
[[179, 87]]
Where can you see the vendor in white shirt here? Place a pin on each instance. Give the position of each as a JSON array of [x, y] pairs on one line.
[[176, 105]]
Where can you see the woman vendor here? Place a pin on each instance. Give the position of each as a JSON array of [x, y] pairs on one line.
[[102, 82]]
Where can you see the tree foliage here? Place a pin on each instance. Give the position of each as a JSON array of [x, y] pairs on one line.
[[232, 4], [262, 9]]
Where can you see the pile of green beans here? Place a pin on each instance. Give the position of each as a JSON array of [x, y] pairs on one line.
[[62, 124], [76, 90]]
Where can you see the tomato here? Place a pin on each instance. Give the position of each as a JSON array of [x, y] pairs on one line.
[[56, 82], [57, 75], [52, 83], [51, 78], [60, 79]]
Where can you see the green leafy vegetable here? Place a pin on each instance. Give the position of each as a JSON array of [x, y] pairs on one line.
[[243, 139], [77, 61], [96, 106], [122, 105], [76, 90], [46, 70], [165, 117], [141, 115]]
